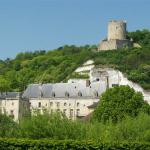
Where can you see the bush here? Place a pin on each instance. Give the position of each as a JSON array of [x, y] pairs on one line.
[[8, 127], [118, 102], [22, 144], [54, 126]]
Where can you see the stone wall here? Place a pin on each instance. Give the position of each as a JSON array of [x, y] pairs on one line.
[[114, 44]]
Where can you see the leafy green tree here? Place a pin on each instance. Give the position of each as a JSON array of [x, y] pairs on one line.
[[118, 102], [4, 84]]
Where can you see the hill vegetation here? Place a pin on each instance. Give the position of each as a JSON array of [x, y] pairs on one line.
[[58, 65]]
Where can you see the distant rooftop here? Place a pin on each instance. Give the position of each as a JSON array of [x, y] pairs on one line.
[[5, 95], [63, 90]]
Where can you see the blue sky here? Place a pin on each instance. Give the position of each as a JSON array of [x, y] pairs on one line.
[[28, 25]]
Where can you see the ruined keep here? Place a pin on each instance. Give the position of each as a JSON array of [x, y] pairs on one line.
[[116, 36]]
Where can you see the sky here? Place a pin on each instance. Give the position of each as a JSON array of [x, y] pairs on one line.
[[29, 25]]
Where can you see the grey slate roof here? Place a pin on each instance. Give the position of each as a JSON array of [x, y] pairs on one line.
[[62, 90], [9, 95]]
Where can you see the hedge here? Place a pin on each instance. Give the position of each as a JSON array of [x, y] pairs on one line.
[[44, 144]]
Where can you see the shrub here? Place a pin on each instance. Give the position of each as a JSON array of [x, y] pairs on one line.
[[7, 126], [118, 102], [69, 144]]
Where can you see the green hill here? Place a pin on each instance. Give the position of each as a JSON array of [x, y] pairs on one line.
[[57, 65]]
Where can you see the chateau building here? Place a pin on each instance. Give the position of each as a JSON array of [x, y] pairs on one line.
[[13, 105], [72, 99]]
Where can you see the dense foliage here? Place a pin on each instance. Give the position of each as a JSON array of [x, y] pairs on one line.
[[118, 102], [58, 65], [41, 67], [57, 127], [7, 126], [22, 144]]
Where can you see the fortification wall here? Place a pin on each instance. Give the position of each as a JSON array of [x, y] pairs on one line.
[[107, 45], [114, 44], [123, 43]]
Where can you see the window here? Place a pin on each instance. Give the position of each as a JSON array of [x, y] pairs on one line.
[[78, 104], [46, 104], [53, 94], [78, 112], [12, 103], [65, 104], [71, 113], [67, 94], [51, 111], [39, 104], [79, 94], [96, 94], [58, 110], [58, 104], [51, 103], [97, 79], [41, 94], [11, 114], [64, 111]]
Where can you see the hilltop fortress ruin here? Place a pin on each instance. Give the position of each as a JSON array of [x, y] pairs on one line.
[[116, 36]]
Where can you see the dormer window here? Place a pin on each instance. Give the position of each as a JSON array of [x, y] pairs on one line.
[[41, 94], [53, 94], [79, 94], [67, 94]]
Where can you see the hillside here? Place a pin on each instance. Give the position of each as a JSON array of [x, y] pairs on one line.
[[57, 65]]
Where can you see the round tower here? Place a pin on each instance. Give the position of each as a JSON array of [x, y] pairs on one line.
[[116, 30]]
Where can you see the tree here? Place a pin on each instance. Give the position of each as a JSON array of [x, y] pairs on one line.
[[118, 102], [4, 84], [7, 126]]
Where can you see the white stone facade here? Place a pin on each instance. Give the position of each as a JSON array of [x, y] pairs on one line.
[[14, 107], [72, 108]]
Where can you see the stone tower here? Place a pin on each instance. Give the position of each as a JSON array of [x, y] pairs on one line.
[[116, 30], [116, 36]]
